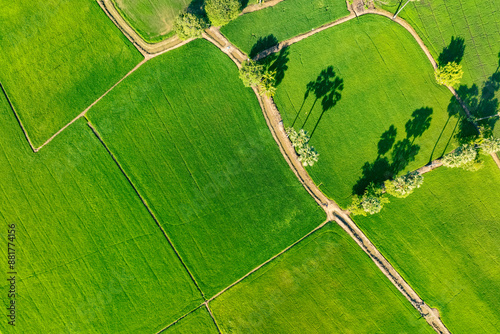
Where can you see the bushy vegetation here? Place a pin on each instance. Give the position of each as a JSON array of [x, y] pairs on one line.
[[188, 25], [221, 12], [490, 145], [57, 58], [371, 202], [256, 75], [465, 157], [300, 141], [332, 280], [444, 241], [206, 163], [449, 74], [404, 185]]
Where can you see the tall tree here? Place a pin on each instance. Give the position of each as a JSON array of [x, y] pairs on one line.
[[221, 12]]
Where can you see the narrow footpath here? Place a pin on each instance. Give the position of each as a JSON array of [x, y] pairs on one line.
[[333, 211]]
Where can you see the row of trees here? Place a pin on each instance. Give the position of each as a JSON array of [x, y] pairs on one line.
[[215, 13], [374, 197]]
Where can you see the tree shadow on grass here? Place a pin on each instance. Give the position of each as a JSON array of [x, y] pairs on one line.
[[326, 88], [454, 52], [401, 153], [263, 43], [277, 62]]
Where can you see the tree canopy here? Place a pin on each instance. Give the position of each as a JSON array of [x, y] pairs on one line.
[[221, 12], [449, 74], [188, 25]]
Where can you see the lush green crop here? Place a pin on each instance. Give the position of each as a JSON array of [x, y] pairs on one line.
[[325, 284], [90, 259], [198, 322], [287, 19], [470, 32], [366, 94], [444, 241], [57, 58], [194, 141], [153, 20]]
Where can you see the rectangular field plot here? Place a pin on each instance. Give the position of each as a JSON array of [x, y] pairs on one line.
[[443, 239], [57, 58], [90, 259], [153, 20], [195, 143], [470, 32], [198, 322], [325, 284], [257, 31], [365, 92]]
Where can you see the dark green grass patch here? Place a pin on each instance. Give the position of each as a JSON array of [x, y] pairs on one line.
[[199, 322], [195, 143], [443, 239], [325, 284], [57, 58], [366, 94], [287, 19], [153, 20], [467, 32], [90, 259]]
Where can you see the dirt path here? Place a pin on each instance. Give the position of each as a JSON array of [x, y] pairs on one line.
[[496, 159], [333, 211], [256, 7]]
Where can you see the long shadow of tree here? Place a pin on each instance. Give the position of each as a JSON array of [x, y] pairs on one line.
[[482, 104], [277, 62], [263, 43], [403, 152], [327, 87], [454, 52]]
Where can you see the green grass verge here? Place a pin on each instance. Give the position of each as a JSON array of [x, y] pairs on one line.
[[199, 322], [57, 58], [438, 21], [379, 110], [325, 284], [281, 22], [152, 20], [443, 239], [90, 259], [194, 141]]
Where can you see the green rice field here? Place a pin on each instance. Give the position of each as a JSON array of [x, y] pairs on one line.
[[57, 58], [89, 257], [205, 162], [153, 20], [325, 284], [467, 32], [286, 19], [366, 94], [198, 322], [443, 240]]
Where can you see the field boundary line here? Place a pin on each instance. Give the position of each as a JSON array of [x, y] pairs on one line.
[[333, 211], [17, 118], [144, 202], [179, 319], [212, 316], [268, 261]]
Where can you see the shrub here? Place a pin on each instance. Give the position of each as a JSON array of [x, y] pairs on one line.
[[188, 26], [221, 12], [490, 145], [371, 202], [449, 74], [403, 186], [251, 73], [464, 157], [307, 155]]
